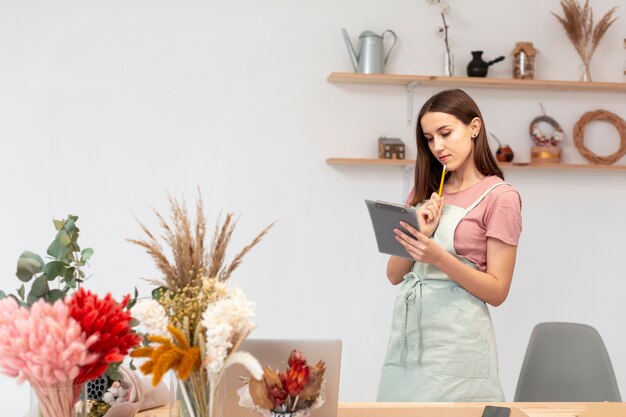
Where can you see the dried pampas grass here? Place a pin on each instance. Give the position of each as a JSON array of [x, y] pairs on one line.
[[577, 21], [191, 260]]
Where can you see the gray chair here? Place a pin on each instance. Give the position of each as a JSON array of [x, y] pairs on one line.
[[566, 362]]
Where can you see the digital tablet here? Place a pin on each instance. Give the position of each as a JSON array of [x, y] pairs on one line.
[[386, 217]]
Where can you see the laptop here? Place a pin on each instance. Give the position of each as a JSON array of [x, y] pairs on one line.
[[274, 353]]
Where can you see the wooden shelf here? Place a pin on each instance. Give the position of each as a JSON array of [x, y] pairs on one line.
[[476, 82], [505, 165]]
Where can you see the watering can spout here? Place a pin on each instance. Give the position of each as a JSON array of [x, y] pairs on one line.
[[353, 56]]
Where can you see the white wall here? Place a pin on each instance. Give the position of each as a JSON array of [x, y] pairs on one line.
[[106, 105]]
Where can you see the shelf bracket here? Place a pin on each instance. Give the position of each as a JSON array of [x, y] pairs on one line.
[[409, 102], [406, 181]]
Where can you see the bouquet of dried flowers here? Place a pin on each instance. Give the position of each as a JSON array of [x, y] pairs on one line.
[[577, 21], [58, 339], [293, 393], [58, 347], [195, 323]]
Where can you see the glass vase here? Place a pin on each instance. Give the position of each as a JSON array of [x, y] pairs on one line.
[[196, 396], [585, 71], [57, 400], [448, 63]]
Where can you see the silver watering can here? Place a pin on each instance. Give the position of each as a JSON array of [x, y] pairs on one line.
[[371, 58]]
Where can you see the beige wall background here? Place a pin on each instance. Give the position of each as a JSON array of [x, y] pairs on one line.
[[105, 106]]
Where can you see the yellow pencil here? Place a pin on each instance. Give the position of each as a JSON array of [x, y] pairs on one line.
[[443, 175]]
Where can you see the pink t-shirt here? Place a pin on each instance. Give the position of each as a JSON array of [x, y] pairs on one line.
[[498, 216]]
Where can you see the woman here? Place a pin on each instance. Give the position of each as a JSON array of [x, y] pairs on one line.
[[442, 345]]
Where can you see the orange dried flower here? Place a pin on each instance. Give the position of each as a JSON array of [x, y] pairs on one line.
[[182, 358]]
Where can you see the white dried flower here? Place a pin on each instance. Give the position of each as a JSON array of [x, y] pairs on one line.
[[78, 406], [433, 2], [440, 31], [225, 319], [444, 7], [108, 398], [152, 315]]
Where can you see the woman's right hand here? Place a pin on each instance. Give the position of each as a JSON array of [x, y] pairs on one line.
[[429, 213]]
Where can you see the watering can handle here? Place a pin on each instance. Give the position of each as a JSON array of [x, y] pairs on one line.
[[395, 39]]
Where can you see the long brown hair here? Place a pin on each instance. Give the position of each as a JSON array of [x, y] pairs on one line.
[[427, 167]]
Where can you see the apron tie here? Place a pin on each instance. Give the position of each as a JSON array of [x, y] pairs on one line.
[[412, 284]]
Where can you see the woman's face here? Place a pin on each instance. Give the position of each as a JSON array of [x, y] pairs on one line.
[[449, 139]]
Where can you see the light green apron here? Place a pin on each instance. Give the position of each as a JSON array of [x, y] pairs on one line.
[[442, 345]]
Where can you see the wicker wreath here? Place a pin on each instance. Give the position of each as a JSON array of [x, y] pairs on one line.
[[540, 138], [604, 116]]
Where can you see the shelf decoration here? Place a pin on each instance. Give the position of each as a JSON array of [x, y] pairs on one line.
[[604, 116], [547, 148], [577, 21], [478, 67], [370, 58], [524, 61], [442, 31], [390, 148], [504, 153]]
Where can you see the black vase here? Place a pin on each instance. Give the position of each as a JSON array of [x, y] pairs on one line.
[[477, 67]]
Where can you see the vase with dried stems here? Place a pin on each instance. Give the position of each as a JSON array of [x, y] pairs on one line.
[[577, 21], [57, 400], [195, 322], [190, 397], [442, 31]]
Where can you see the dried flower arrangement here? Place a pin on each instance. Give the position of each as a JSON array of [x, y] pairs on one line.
[[56, 339], [294, 392], [442, 31], [577, 21], [194, 321]]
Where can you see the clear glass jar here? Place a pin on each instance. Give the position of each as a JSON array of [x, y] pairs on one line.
[[523, 66], [524, 61]]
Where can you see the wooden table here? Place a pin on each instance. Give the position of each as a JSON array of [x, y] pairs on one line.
[[460, 410]]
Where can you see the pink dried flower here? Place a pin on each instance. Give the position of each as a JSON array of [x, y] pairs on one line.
[[43, 345], [10, 313]]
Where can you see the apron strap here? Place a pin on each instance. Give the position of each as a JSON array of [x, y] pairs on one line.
[[475, 203]]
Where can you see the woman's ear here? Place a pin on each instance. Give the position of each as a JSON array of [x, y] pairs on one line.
[[476, 124]]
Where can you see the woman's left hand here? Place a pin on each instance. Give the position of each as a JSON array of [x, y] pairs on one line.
[[421, 248]]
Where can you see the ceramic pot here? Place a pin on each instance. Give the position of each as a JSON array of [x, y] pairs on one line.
[[478, 67]]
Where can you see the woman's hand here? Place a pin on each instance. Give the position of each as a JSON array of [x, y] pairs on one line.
[[429, 213], [421, 248]]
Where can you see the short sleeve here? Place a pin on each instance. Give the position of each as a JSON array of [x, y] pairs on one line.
[[503, 217]]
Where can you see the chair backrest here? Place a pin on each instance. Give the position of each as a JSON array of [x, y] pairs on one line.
[[566, 362]]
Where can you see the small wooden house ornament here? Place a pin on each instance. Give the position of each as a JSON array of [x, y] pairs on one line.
[[390, 148]]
